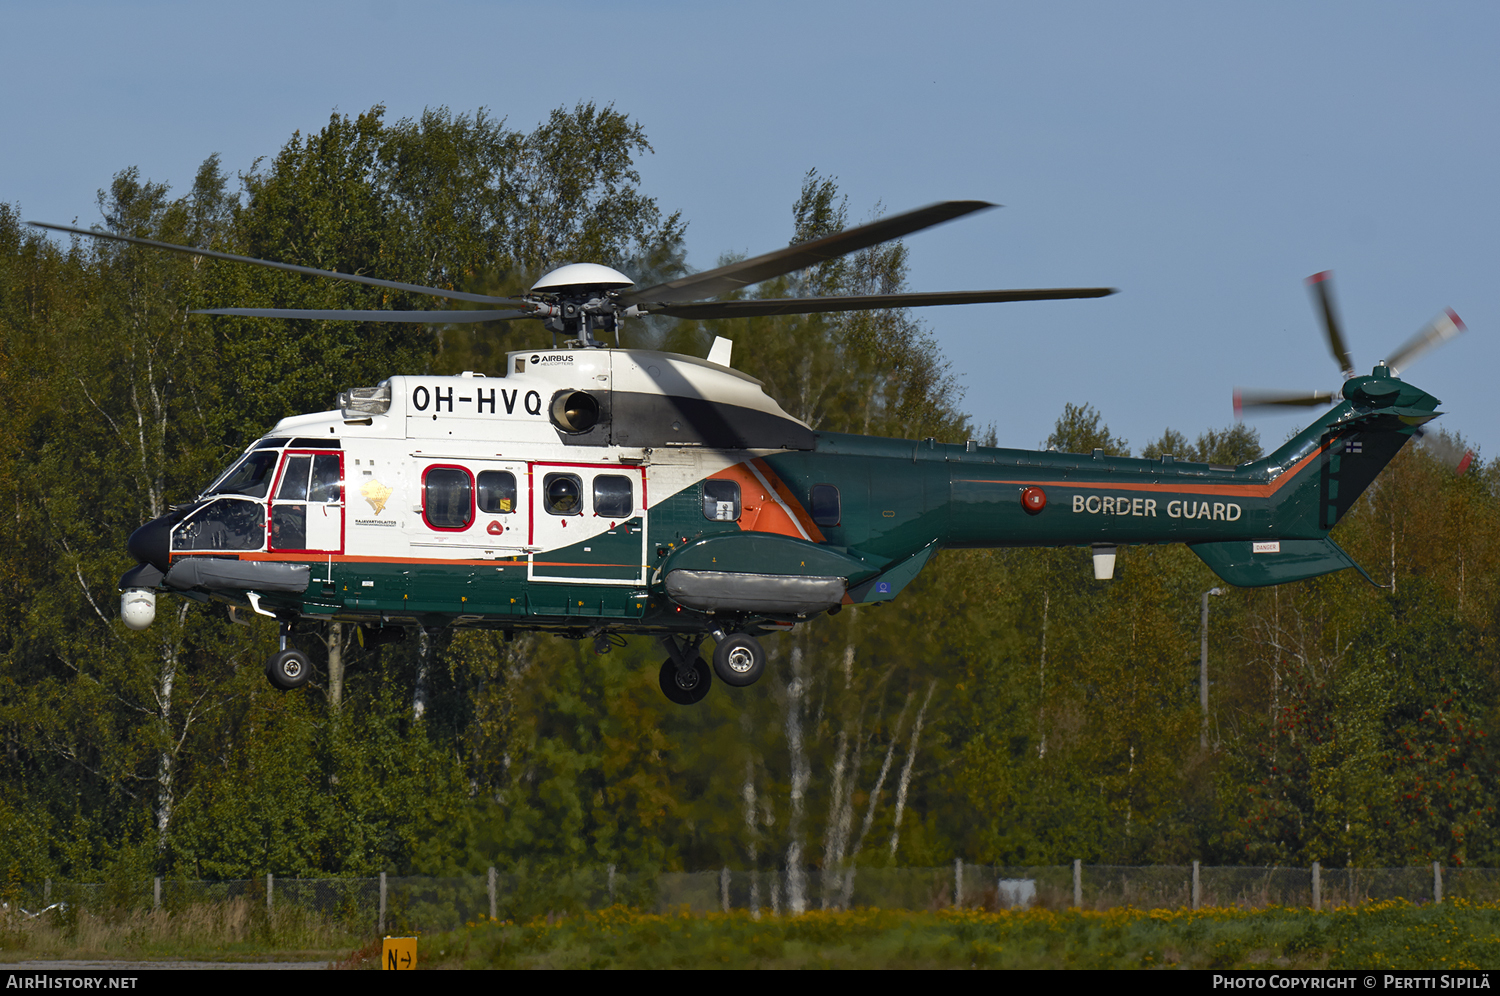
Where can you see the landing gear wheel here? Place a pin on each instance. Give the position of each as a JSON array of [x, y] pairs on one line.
[[288, 669], [739, 660], [685, 687]]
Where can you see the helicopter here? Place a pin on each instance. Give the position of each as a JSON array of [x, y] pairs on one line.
[[594, 491]]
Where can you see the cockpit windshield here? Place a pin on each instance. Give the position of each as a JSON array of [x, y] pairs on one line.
[[250, 477]]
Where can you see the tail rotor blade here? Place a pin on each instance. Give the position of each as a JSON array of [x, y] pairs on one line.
[[1446, 450], [1322, 290], [1434, 333]]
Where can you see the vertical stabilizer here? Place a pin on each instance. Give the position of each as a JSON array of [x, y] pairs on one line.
[[1331, 463]]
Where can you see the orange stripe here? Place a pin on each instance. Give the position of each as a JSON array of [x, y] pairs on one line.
[[1230, 490], [344, 558], [757, 516], [785, 494]]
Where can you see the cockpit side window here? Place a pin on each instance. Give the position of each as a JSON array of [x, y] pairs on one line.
[[305, 513], [327, 483], [226, 524], [294, 479], [250, 477]]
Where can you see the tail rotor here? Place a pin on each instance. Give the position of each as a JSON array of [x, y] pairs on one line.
[[1446, 326]]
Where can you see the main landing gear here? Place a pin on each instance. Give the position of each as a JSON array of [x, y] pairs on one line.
[[685, 685], [739, 660], [684, 678], [289, 667]]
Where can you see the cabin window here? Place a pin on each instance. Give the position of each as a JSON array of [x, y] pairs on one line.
[[563, 494], [825, 505], [226, 524], [614, 496], [721, 501], [447, 498], [497, 492]]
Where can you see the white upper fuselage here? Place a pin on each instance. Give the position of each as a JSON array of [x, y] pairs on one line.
[[478, 423]]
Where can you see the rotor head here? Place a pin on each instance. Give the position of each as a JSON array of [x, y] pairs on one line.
[[576, 277]]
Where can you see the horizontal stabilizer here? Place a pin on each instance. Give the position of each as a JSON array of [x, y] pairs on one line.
[[1255, 564], [888, 584]]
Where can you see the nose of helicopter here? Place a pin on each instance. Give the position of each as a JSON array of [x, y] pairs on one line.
[[152, 543]]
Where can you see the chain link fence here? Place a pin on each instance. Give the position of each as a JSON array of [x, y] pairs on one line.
[[409, 904]]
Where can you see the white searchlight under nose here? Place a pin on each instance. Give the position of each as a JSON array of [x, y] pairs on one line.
[[138, 607]]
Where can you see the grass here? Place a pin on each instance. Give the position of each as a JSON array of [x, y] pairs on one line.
[[233, 930], [1376, 935], [1393, 934]]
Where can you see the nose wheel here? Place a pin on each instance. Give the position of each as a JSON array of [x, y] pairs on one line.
[[289, 667]]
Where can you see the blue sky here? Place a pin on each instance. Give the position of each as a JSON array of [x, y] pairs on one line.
[[1202, 157]]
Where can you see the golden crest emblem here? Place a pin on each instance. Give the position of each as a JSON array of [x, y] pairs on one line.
[[376, 494]]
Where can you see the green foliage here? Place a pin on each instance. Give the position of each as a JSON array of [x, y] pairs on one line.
[[1228, 447], [1081, 429]]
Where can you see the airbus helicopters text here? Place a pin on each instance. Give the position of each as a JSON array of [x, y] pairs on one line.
[[594, 491]]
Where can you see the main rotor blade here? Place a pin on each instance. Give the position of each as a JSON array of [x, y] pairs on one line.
[[864, 302], [336, 315], [1438, 331], [1319, 282], [802, 255], [1280, 399], [290, 267]]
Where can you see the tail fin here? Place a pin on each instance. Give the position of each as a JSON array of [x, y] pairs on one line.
[[1332, 462]]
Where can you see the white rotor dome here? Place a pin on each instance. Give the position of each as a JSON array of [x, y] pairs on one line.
[[581, 275]]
